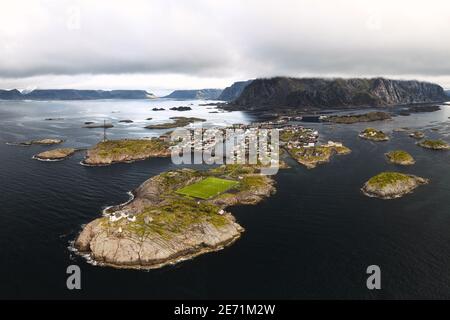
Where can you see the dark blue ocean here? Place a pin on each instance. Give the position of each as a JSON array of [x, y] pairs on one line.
[[313, 239]]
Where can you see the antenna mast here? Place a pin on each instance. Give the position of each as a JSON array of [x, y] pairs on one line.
[[104, 130]]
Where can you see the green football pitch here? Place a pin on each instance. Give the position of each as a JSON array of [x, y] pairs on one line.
[[207, 188]]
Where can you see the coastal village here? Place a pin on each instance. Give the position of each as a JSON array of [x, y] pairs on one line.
[[237, 141]]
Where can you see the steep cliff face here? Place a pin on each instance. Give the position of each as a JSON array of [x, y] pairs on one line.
[[336, 93], [234, 91]]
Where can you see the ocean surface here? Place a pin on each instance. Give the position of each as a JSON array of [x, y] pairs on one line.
[[313, 239]]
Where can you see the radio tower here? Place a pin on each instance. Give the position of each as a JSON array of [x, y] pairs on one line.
[[104, 130]]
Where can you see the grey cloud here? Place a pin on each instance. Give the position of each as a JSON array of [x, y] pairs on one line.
[[224, 39]]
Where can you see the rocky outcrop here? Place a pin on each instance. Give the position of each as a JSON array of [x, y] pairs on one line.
[[417, 135], [374, 135], [55, 155], [162, 227], [200, 94], [93, 125], [434, 144], [400, 157], [314, 93], [181, 108], [43, 142], [234, 91], [391, 185], [126, 150]]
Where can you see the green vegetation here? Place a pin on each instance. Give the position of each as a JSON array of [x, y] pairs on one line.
[[185, 204], [178, 122], [252, 181], [175, 217], [386, 178], [400, 157], [233, 170], [112, 148], [434, 144], [207, 188], [366, 117]]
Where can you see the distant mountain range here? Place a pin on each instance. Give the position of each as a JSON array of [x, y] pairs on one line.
[[316, 93], [234, 91], [72, 94], [200, 94]]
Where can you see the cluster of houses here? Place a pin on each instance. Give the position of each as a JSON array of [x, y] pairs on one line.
[[303, 137], [199, 142], [122, 214]]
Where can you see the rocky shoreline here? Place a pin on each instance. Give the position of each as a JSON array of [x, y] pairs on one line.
[[311, 157], [158, 227], [392, 185], [434, 144], [42, 142], [55, 154], [126, 150], [400, 157]]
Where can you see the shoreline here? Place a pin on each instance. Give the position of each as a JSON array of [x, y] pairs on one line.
[[179, 258]]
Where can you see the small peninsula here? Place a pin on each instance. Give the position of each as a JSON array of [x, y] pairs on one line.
[[126, 150], [178, 122], [391, 185], [374, 135], [171, 218], [400, 157], [55, 155], [310, 157], [434, 144]]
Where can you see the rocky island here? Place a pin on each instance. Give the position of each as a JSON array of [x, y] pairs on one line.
[[181, 108], [391, 185], [93, 125], [374, 135], [434, 144], [173, 217], [55, 155], [417, 135], [400, 157], [43, 142], [178, 122], [126, 150]]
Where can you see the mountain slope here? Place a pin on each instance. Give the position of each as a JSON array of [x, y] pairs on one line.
[[336, 93], [200, 94], [234, 91]]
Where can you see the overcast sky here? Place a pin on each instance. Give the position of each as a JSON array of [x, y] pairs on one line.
[[167, 44]]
